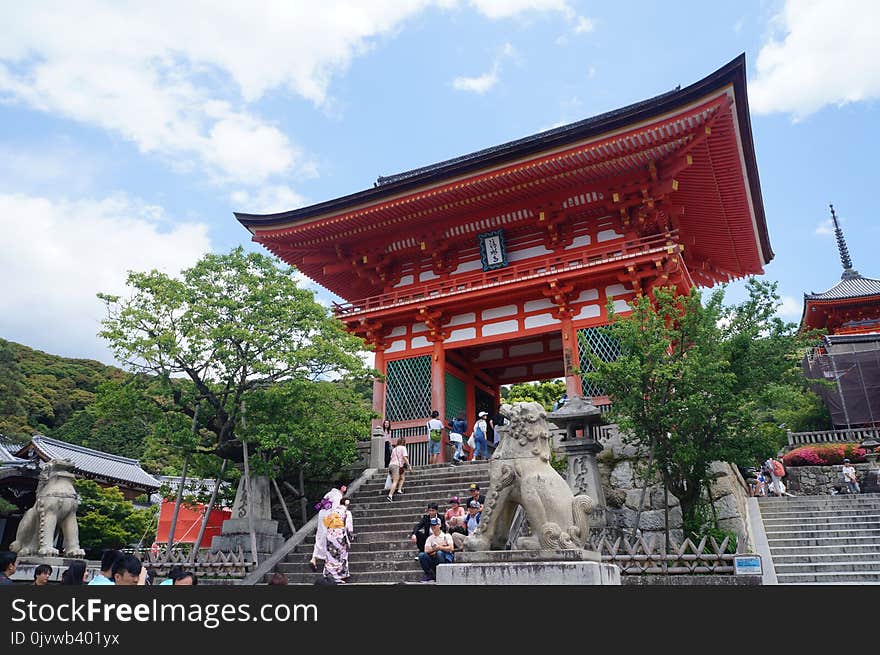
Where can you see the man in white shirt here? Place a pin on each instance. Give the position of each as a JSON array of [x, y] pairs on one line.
[[438, 550], [849, 477]]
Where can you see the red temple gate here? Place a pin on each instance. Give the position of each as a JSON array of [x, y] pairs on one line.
[[483, 270]]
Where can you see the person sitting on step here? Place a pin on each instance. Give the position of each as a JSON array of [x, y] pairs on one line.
[[422, 529], [439, 549]]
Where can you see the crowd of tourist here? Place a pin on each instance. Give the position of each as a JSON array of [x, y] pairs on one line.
[[437, 536], [117, 568]]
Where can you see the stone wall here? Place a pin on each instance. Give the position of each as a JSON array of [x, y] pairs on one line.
[[621, 469], [819, 480]]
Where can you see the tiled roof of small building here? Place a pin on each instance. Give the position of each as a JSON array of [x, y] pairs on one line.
[[94, 463]]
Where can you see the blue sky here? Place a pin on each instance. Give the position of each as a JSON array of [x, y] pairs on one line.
[[129, 135]]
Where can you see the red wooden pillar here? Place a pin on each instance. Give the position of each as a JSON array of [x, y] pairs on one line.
[[438, 388], [573, 386], [379, 387]]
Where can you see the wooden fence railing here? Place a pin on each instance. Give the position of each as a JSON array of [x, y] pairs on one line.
[[833, 436], [646, 555]]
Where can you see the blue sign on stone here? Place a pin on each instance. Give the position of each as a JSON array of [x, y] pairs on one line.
[[747, 565]]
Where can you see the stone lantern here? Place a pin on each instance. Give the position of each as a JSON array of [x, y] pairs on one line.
[[871, 484], [580, 420]]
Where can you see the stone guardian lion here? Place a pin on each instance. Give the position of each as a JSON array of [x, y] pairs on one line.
[[520, 474], [55, 507]]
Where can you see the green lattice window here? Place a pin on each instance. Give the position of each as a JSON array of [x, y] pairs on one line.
[[597, 341], [408, 388], [456, 397]]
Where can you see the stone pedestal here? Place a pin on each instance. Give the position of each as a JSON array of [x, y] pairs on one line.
[[528, 567], [24, 569], [235, 531]]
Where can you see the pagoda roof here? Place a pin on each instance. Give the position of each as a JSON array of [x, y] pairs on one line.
[[724, 224], [92, 463], [852, 287]]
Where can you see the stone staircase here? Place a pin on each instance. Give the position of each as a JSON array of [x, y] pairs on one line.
[[382, 552], [824, 539]]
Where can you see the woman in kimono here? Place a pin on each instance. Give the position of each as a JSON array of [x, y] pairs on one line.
[[326, 505], [338, 535]]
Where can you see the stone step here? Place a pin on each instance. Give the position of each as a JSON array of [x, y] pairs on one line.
[[826, 558], [378, 577], [396, 542], [829, 567], [405, 564], [445, 488], [854, 514], [814, 521], [801, 540], [842, 550], [389, 512], [414, 506], [809, 532], [831, 577], [831, 503]]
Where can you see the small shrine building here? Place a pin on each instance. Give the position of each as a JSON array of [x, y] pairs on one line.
[[486, 269], [849, 355]]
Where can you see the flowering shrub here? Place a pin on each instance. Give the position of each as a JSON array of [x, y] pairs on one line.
[[824, 454]]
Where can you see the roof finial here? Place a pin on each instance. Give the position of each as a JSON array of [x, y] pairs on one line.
[[848, 271]]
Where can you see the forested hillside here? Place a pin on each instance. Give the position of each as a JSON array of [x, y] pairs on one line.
[[40, 392]]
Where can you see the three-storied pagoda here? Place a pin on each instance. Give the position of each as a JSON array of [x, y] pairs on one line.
[[482, 270], [849, 354]]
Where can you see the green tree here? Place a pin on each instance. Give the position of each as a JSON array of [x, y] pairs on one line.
[[308, 426], [13, 416], [545, 392], [107, 520], [232, 324], [695, 380]]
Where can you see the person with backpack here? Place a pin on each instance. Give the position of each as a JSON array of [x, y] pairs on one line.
[[777, 472], [435, 437], [458, 426]]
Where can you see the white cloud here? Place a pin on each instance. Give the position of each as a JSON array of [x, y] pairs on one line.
[[61, 253], [584, 25], [828, 54], [483, 83], [479, 84], [506, 8], [180, 79], [267, 200], [790, 308], [826, 228]]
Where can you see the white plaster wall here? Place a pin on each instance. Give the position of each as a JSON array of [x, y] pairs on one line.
[[400, 344], [498, 312], [419, 342], [539, 320], [587, 311], [535, 305], [608, 235], [500, 328], [579, 242], [462, 319], [527, 253], [464, 333]]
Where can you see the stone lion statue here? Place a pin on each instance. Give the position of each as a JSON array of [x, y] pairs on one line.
[[520, 474], [55, 507]]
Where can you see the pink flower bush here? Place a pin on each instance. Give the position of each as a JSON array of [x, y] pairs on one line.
[[824, 454]]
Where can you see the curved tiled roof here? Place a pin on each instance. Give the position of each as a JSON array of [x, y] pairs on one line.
[[851, 286], [95, 462]]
